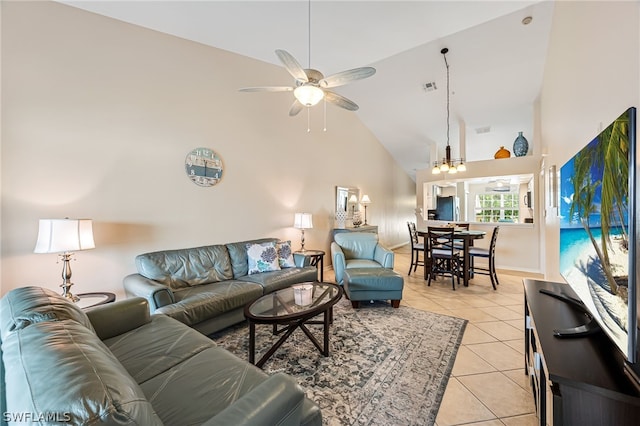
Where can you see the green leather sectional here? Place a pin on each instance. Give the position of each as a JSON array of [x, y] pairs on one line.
[[208, 287], [116, 364]]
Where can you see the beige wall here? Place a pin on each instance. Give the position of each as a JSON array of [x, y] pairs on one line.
[[591, 77], [98, 117]]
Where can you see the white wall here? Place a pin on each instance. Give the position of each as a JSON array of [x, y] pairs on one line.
[[591, 77], [98, 117]]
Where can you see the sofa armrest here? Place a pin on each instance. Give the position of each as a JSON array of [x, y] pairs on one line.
[[119, 317], [276, 401], [383, 256], [158, 295], [338, 261]]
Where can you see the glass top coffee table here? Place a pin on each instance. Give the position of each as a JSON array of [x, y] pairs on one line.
[[292, 307]]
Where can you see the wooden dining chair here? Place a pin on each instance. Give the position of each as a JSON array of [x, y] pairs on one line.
[[444, 256], [489, 254], [416, 248], [458, 243]]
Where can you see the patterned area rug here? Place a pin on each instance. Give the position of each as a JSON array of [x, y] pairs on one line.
[[387, 366]]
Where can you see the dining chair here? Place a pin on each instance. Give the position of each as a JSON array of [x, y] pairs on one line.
[[489, 254], [416, 248], [445, 257], [458, 243]]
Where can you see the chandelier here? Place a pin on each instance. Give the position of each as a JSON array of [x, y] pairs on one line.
[[448, 165]]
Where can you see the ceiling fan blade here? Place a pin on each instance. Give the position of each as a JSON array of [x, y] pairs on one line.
[[290, 63], [340, 101], [295, 108], [345, 77], [267, 89]]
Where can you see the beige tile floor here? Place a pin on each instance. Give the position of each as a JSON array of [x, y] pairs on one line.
[[488, 386]]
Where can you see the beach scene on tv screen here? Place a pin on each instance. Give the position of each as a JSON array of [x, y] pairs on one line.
[[594, 232]]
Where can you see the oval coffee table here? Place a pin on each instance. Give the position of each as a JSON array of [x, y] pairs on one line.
[[280, 308]]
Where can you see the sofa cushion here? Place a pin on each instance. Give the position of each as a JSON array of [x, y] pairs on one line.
[[213, 379], [185, 268], [272, 281], [285, 254], [156, 347], [24, 306], [238, 255], [61, 368], [196, 304], [357, 245], [262, 258]]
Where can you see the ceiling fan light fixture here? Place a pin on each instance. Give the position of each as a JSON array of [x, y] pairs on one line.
[[308, 95]]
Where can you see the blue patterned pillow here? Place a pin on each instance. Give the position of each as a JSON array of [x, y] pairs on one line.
[[262, 258], [285, 254]]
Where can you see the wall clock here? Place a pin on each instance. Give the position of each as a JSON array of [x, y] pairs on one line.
[[203, 166]]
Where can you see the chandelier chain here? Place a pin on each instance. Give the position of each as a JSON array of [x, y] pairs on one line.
[[447, 66]]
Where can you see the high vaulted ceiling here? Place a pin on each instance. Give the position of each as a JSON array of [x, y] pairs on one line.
[[496, 61]]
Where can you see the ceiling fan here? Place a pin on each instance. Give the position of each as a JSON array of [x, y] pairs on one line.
[[311, 85]]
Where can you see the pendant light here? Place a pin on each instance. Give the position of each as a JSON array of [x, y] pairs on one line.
[[448, 165]]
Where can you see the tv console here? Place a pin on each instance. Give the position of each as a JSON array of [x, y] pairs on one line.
[[575, 381]]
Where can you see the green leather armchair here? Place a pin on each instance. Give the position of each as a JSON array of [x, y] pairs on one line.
[[358, 250]]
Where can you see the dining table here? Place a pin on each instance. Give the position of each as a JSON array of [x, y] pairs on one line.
[[466, 236]]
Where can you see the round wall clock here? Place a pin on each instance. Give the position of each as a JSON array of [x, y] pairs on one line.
[[203, 166]]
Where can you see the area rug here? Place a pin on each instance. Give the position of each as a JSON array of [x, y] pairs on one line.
[[386, 367]]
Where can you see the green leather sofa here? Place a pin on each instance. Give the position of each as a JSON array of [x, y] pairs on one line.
[[208, 287], [116, 364]]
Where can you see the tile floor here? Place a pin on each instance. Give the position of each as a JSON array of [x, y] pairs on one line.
[[488, 386]]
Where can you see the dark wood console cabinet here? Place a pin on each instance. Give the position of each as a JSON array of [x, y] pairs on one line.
[[575, 381]]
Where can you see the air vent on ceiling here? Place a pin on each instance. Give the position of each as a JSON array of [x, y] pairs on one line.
[[481, 130], [429, 87]]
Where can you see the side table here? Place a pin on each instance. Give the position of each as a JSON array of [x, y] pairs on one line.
[[315, 257], [89, 300]]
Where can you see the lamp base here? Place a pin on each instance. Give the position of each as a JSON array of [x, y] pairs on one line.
[[302, 240], [66, 292], [66, 277]]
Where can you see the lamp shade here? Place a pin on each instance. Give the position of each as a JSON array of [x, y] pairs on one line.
[[303, 221], [308, 95], [353, 199], [64, 235], [365, 199]]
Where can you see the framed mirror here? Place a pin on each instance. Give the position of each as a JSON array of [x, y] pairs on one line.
[[347, 200]]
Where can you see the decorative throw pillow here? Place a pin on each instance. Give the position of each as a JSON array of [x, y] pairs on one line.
[[262, 258], [285, 255]]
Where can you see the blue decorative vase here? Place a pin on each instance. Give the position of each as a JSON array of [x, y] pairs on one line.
[[520, 146]]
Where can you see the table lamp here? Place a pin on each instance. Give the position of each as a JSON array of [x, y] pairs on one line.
[[365, 200], [353, 200], [303, 221], [64, 236]]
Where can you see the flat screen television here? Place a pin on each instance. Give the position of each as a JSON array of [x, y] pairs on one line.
[[598, 231]]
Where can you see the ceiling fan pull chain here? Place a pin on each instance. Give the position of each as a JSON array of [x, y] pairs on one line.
[[325, 115], [308, 120]]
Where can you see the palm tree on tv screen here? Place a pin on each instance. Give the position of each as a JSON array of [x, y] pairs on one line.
[[608, 158]]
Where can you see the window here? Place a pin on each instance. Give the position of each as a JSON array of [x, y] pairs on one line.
[[497, 207]]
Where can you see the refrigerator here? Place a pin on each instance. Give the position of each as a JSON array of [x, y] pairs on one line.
[[448, 208]]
